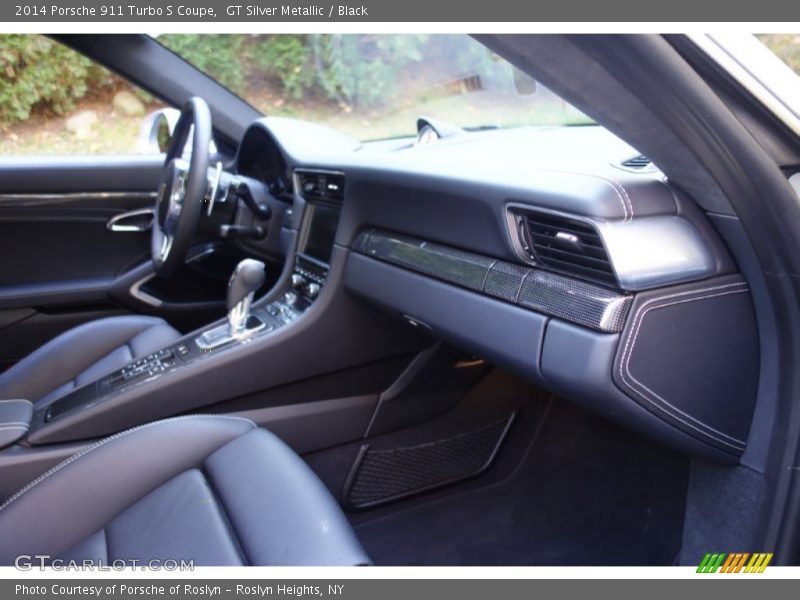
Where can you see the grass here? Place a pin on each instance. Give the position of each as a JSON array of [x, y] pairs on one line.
[[47, 135]]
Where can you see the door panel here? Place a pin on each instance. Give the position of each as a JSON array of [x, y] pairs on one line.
[[59, 257], [60, 239], [67, 174]]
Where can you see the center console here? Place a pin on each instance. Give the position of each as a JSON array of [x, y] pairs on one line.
[[321, 193]]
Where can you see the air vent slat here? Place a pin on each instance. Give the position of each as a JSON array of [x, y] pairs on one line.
[[321, 187], [568, 245], [589, 242], [568, 257], [594, 259], [555, 221]]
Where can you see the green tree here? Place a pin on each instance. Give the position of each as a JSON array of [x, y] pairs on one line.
[[361, 70], [288, 59], [220, 56], [35, 71]]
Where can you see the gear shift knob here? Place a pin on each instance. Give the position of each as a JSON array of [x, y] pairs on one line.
[[248, 276]]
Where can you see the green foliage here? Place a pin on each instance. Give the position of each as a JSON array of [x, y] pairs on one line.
[[36, 71], [784, 46], [289, 59], [361, 70], [219, 56], [358, 70]]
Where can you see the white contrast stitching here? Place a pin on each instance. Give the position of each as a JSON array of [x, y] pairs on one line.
[[20, 400], [632, 342], [25, 427], [116, 436], [630, 380], [621, 192]]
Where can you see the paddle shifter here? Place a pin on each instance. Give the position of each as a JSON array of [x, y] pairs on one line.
[[248, 276]]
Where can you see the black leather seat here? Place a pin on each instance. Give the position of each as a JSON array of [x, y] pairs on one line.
[[82, 355], [213, 489]]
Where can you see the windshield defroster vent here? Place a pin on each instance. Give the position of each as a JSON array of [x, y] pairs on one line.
[[564, 244], [637, 162]]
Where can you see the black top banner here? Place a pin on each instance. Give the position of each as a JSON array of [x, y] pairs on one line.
[[321, 11]]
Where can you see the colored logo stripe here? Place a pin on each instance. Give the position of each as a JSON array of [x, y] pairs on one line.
[[758, 563], [734, 562], [710, 563]]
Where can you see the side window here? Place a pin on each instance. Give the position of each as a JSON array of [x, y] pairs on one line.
[[55, 101]]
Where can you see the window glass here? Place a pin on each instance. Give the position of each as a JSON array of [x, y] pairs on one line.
[[375, 86], [54, 100]]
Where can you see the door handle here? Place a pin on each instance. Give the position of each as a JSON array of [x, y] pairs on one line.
[[132, 221]]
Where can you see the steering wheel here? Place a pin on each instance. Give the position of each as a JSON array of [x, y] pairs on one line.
[[183, 187]]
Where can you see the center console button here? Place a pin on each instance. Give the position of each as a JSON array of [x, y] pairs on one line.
[[313, 290]]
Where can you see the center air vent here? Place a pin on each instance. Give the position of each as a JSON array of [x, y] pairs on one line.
[[316, 186], [564, 244]]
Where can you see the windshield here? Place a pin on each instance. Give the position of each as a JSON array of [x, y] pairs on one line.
[[375, 86]]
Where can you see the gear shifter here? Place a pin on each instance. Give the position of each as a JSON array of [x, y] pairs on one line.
[[248, 276]]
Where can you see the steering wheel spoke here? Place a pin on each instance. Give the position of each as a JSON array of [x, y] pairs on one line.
[[182, 190]]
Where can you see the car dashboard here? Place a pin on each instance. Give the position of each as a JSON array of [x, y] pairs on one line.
[[558, 253]]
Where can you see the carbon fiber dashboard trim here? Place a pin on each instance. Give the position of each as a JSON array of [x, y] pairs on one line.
[[448, 264], [574, 300], [567, 298], [505, 281]]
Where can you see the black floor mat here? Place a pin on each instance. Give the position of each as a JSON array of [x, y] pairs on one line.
[[566, 488], [586, 493]]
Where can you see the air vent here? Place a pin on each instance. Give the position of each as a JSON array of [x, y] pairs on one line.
[[321, 187], [566, 245], [637, 162]]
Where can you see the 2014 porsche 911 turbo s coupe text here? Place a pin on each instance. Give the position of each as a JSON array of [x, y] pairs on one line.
[[492, 300]]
